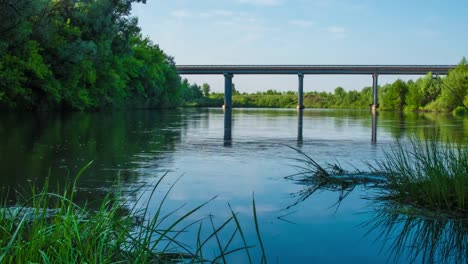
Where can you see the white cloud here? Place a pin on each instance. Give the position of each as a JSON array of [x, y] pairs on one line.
[[262, 2], [216, 12], [337, 32], [301, 23], [181, 13]]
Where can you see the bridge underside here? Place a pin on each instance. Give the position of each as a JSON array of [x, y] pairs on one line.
[[315, 69]]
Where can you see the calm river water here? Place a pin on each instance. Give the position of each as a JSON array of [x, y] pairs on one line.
[[235, 159]]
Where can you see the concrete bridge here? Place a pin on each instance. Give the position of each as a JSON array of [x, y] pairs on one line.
[[300, 70]]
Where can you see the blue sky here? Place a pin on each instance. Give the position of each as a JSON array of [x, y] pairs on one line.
[[306, 32]]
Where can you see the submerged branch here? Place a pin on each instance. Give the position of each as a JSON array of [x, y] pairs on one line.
[[424, 175]]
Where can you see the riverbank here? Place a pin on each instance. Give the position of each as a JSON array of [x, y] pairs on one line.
[[311, 101], [49, 226]]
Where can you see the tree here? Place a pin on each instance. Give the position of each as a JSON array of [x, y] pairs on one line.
[[206, 89], [339, 97], [455, 87], [80, 54], [393, 96], [414, 96], [233, 89]]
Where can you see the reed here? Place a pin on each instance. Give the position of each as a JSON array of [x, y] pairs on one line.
[[49, 227], [427, 175]]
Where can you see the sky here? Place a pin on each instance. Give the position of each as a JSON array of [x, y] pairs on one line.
[[306, 32]]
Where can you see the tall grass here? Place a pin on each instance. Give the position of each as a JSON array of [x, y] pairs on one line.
[[50, 227], [419, 191], [427, 175]]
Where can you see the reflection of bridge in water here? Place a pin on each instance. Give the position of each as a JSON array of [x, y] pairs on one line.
[[300, 117], [300, 70]]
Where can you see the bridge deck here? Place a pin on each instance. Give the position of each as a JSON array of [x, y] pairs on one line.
[[314, 69]]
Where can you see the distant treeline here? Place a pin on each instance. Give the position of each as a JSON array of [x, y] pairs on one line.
[[80, 55], [90, 55], [428, 93]]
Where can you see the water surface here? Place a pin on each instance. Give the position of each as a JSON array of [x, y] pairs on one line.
[[234, 158]]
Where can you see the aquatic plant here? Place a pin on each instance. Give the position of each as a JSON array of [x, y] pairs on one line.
[[427, 175], [333, 178], [50, 227], [418, 193]]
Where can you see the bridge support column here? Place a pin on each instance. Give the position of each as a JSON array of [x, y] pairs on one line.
[[300, 93], [227, 91], [375, 92]]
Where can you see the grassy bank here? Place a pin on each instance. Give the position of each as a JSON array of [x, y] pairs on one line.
[[280, 100], [49, 227]]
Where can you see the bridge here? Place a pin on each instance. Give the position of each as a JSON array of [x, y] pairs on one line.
[[300, 70]]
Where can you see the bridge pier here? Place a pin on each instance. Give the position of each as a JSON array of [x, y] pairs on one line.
[[227, 90], [300, 93], [375, 92]]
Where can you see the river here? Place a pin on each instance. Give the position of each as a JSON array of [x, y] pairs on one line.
[[236, 159]]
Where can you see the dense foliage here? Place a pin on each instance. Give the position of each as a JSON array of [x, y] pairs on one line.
[[428, 93], [80, 54]]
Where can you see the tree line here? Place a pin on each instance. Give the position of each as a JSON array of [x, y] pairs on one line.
[[91, 55], [428, 93], [80, 55]]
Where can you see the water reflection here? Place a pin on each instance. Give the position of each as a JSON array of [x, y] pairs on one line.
[[405, 230], [300, 116], [228, 127], [310, 115], [374, 128], [124, 145], [421, 239]]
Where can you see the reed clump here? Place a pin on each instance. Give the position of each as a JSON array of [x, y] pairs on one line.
[[419, 191], [427, 175], [49, 227]]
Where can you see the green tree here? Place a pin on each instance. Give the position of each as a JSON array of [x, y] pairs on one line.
[[414, 96], [455, 88], [206, 89], [234, 91], [429, 87], [338, 97], [394, 96], [80, 54]]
